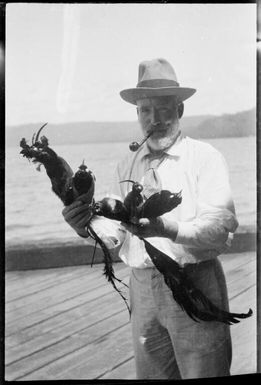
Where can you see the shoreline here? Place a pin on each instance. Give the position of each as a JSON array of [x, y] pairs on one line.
[[52, 254]]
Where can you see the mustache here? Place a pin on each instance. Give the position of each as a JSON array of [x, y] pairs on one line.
[[154, 126], [134, 146]]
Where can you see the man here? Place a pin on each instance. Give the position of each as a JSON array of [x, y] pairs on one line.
[[168, 344]]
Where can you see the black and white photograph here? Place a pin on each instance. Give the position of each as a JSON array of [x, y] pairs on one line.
[[130, 191]]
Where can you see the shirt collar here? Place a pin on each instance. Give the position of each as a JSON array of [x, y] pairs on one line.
[[177, 148]]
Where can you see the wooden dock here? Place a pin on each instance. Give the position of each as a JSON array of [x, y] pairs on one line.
[[69, 323]]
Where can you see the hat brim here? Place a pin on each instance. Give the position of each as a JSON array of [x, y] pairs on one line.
[[131, 95]]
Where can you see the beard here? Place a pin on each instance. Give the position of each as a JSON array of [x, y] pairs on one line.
[[164, 136]]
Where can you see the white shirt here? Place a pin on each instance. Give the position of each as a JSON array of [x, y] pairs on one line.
[[206, 216]]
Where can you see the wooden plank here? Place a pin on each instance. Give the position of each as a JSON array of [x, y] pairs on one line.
[[231, 258], [231, 266], [32, 277], [37, 285], [244, 335], [19, 290], [28, 277], [24, 301], [76, 287], [39, 317], [236, 273], [233, 293], [77, 348], [70, 286], [124, 370], [14, 278], [239, 271], [239, 285], [39, 327], [28, 320], [49, 327], [98, 312], [27, 296], [57, 335], [119, 349], [244, 350], [91, 360], [18, 274]]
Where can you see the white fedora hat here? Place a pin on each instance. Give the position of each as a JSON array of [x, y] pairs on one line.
[[156, 78]]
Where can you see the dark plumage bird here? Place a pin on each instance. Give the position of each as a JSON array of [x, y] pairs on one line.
[[184, 292], [159, 204], [112, 209], [65, 184], [84, 183], [68, 187], [134, 199]]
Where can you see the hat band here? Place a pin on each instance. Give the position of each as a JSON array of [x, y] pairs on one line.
[[157, 83]]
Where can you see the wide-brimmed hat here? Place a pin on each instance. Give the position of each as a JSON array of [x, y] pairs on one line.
[[156, 78]]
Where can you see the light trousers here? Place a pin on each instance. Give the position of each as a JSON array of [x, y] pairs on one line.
[[168, 344]]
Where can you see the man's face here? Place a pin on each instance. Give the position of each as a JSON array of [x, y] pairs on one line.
[[162, 110]]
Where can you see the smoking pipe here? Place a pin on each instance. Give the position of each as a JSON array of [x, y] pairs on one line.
[[134, 146]]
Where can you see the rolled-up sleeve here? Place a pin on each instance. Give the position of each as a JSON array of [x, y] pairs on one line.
[[215, 220]]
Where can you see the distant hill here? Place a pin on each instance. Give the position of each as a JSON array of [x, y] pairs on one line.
[[205, 126], [227, 125]]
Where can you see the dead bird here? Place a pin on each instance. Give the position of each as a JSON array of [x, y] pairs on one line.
[[69, 186], [184, 292]]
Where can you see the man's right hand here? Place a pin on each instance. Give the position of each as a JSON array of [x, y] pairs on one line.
[[77, 215]]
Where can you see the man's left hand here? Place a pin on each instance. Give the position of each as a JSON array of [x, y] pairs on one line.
[[145, 228], [153, 227]]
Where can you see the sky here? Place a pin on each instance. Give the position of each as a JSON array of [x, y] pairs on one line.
[[68, 62]]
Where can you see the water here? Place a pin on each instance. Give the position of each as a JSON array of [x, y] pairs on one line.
[[33, 212]]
